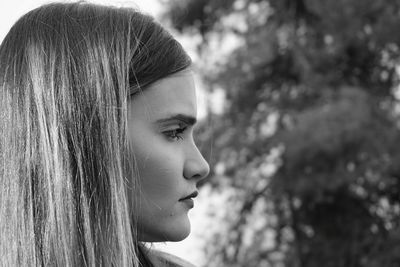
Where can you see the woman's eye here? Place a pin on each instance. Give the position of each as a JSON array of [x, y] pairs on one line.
[[175, 134]]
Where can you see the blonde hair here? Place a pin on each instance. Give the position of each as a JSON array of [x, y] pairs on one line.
[[66, 71]]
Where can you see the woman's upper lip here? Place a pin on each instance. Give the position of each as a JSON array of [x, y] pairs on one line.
[[192, 195]]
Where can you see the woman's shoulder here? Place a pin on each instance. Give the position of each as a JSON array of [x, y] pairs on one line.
[[169, 260]]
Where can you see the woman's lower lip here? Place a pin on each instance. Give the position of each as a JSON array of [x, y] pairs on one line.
[[189, 202]]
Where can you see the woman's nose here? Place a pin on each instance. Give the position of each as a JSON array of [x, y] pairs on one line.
[[196, 167]]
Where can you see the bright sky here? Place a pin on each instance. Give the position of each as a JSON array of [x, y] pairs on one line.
[[12, 10]]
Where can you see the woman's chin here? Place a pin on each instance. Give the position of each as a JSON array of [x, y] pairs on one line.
[[172, 231], [178, 236], [177, 231]]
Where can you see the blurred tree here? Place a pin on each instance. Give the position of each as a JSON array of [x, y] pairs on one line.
[[309, 137]]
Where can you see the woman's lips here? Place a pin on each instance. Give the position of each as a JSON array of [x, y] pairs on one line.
[[192, 195], [188, 201]]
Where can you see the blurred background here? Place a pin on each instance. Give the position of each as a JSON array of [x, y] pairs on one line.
[[300, 124], [305, 144]]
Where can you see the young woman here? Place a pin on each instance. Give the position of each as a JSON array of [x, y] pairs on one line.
[[97, 154]]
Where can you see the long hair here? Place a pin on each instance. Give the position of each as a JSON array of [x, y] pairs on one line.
[[66, 72]]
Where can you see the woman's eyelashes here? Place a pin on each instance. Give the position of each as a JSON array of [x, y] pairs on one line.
[[175, 134]]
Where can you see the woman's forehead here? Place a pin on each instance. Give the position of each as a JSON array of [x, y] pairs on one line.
[[174, 94]]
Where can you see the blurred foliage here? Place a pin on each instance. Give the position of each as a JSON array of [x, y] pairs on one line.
[[309, 139]]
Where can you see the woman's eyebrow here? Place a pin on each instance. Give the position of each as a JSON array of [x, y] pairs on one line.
[[189, 120]]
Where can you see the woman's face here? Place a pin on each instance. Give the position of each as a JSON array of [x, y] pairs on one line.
[[161, 121]]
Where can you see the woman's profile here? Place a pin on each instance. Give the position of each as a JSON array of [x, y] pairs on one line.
[[97, 153]]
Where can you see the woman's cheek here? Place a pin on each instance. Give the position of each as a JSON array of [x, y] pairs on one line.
[[160, 176]]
